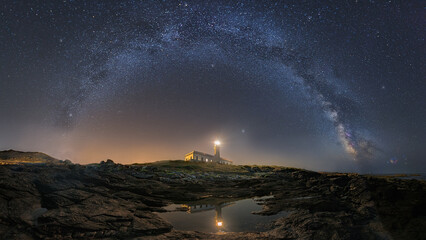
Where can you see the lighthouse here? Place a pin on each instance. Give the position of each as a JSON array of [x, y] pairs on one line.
[[217, 150], [204, 157]]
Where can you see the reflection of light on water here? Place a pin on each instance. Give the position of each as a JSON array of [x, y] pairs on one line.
[[211, 217]]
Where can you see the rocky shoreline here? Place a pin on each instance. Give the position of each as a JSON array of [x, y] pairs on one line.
[[114, 201]]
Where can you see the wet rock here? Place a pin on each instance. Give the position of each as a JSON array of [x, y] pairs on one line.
[[113, 201]]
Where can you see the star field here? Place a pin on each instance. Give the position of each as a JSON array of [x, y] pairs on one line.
[[331, 86]]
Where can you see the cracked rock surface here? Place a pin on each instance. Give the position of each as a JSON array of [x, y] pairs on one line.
[[113, 201]]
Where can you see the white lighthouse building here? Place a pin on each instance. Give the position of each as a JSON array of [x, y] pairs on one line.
[[204, 157]]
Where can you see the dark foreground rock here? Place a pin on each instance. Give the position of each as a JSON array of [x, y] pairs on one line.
[[112, 201]]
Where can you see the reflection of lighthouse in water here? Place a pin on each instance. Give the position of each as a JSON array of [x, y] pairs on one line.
[[219, 219], [207, 207]]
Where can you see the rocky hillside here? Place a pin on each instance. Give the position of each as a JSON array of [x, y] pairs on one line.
[[114, 201], [17, 157]]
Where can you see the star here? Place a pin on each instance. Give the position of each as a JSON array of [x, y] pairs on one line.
[[305, 75]]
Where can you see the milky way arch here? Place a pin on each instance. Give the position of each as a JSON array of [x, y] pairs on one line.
[[133, 44]]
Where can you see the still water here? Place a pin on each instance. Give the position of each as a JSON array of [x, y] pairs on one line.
[[224, 217]]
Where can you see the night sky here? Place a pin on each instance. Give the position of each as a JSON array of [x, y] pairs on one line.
[[333, 86]]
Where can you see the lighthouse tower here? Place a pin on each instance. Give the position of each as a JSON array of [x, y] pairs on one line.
[[217, 150]]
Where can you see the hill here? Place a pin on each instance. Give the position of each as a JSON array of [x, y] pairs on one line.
[[187, 166], [17, 157]]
